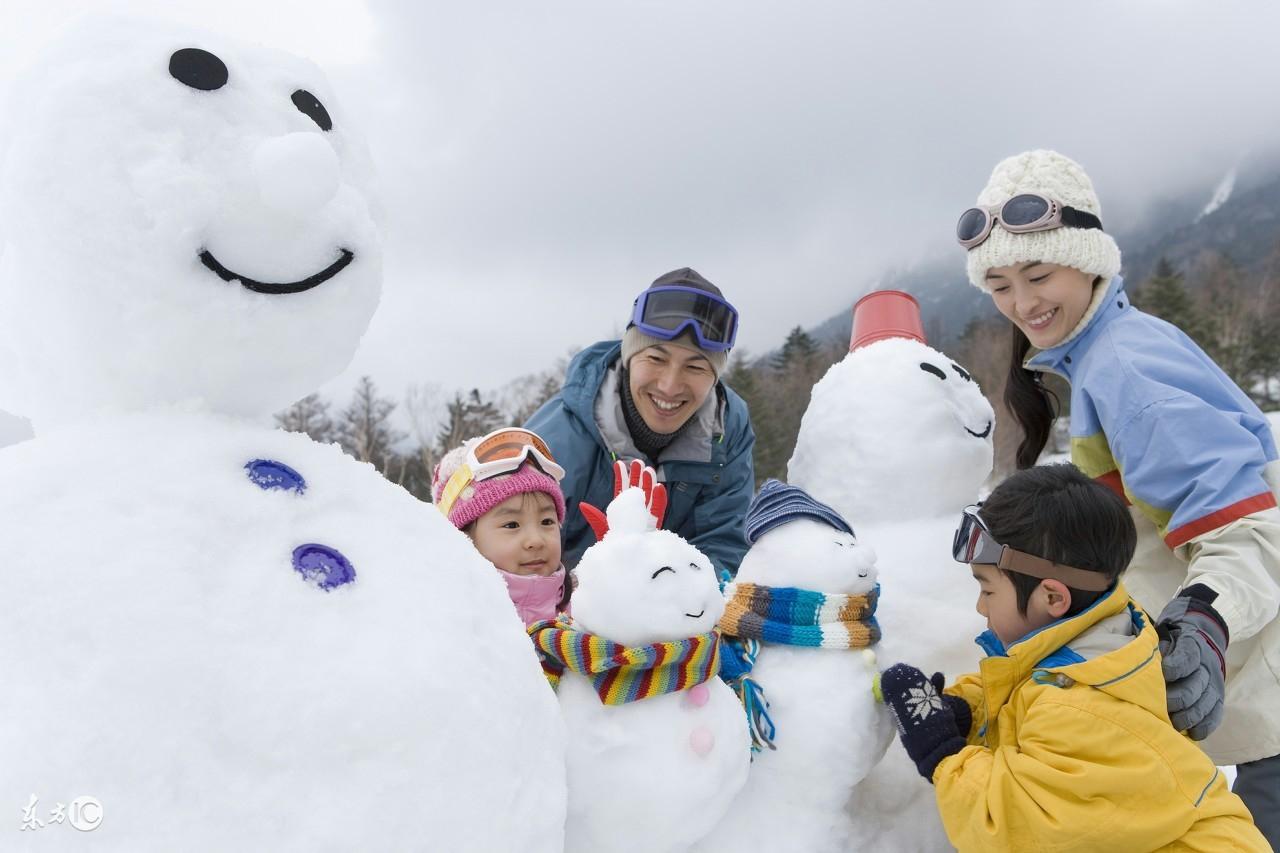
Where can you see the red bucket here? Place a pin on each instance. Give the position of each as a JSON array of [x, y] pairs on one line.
[[886, 314]]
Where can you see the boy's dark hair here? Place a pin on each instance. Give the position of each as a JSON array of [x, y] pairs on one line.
[[1057, 513]]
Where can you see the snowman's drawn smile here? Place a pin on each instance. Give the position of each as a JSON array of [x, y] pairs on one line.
[[986, 432], [965, 376], [697, 615], [207, 258]]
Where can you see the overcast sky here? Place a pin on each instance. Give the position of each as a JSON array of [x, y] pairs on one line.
[[542, 162]]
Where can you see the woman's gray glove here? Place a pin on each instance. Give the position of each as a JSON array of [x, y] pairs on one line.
[[1193, 644]]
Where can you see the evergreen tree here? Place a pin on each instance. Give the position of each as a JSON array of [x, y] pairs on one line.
[[309, 415], [1165, 295], [741, 378], [456, 428], [364, 428], [1232, 313], [778, 395], [749, 383], [799, 350], [467, 416]]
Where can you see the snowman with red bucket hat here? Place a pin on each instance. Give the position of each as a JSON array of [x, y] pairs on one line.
[[898, 439]]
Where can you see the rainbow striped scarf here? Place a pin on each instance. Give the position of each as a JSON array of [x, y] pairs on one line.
[[619, 673], [800, 617]]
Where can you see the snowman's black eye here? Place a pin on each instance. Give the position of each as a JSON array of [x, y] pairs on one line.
[[310, 106], [929, 368], [964, 374], [198, 69]]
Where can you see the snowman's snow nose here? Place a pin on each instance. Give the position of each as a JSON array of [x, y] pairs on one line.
[[296, 173]]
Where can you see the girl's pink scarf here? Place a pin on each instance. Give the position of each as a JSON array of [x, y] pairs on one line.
[[536, 596]]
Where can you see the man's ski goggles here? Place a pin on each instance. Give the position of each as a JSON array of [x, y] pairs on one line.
[[1020, 215], [502, 451], [973, 544], [667, 312]]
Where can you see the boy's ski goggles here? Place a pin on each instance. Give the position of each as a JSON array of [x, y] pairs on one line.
[[502, 451], [973, 544], [667, 312], [1020, 215]]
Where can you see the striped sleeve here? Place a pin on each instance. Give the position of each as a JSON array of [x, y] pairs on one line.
[[1195, 467], [1199, 474]]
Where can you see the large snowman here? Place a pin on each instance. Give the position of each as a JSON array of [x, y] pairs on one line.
[[229, 637], [897, 438], [807, 593], [658, 744]]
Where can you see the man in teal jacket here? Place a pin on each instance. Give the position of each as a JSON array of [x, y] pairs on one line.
[[656, 396]]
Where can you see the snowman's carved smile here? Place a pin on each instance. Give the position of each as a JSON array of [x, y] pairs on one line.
[[697, 615], [986, 432], [207, 258]]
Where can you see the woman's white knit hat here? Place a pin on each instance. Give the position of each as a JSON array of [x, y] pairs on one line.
[[1060, 178]]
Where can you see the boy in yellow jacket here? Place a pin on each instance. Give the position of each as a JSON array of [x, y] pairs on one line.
[[1062, 740]]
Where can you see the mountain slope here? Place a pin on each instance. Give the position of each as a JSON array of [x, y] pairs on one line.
[[1245, 226]]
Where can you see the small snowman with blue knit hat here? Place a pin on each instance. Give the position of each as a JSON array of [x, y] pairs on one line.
[[802, 613]]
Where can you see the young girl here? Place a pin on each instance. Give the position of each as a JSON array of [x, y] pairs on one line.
[[1154, 419], [503, 491]]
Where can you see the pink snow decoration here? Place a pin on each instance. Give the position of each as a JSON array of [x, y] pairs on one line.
[[697, 695], [702, 740]]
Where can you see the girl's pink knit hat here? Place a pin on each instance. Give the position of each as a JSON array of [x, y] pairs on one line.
[[478, 497]]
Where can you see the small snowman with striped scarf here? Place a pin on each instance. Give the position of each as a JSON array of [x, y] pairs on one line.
[[803, 607], [658, 744]]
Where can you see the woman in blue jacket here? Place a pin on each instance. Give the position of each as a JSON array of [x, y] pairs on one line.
[[1157, 421], [656, 396]]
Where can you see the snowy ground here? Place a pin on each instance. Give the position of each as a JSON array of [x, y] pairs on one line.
[[13, 429]]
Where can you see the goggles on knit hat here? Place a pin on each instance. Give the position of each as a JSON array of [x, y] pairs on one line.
[[1020, 188], [669, 311], [504, 463], [973, 543], [1021, 214]]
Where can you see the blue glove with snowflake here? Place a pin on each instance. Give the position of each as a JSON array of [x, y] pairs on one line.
[[926, 718]]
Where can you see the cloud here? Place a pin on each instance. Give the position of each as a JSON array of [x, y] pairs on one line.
[[541, 163]]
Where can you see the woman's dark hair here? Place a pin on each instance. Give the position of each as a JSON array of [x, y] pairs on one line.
[[1057, 513], [1032, 405]]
